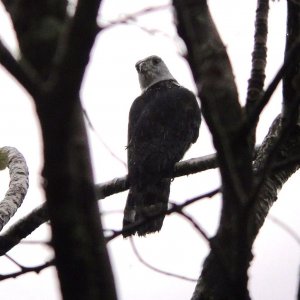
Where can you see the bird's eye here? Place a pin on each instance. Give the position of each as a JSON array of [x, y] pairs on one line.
[[156, 60]]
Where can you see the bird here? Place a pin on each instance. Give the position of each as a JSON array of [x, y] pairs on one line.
[[163, 123]]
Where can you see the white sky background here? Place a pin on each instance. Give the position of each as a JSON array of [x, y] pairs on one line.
[[109, 88]]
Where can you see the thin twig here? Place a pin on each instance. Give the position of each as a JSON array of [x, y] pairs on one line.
[[146, 264], [25, 270], [133, 16], [213, 245], [159, 214], [15, 262], [90, 124], [193, 222], [292, 233]]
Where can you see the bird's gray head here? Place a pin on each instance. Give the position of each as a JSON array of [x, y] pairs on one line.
[[152, 70]]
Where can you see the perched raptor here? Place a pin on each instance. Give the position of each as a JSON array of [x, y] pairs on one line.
[[163, 122]]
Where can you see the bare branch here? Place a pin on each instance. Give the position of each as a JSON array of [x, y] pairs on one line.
[[217, 91], [90, 124], [276, 177], [202, 233], [25, 75], [292, 233], [18, 184], [187, 167], [22, 228], [37, 217], [146, 264], [25, 270], [258, 107], [74, 50], [173, 209], [132, 17], [259, 60], [259, 55]]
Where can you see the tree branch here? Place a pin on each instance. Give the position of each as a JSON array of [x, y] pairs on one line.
[[18, 183], [258, 107], [292, 233], [259, 55], [126, 19], [26, 76], [213, 75], [217, 91], [276, 177], [22, 228], [146, 264], [173, 209], [73, 52], [259, 60], [25, 270], [37, 217]]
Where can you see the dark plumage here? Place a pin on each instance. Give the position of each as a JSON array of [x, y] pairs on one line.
[[163, 122]]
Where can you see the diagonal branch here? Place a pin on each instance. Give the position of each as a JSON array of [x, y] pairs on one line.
[[37, 217], [146, 264], [128, 18], [74, 49], [173, 209], [25, 75], [22, 228], [292, 233], [25, 270], [276, 177], [217, 91]]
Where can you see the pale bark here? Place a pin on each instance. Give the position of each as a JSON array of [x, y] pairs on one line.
[[18, 185]]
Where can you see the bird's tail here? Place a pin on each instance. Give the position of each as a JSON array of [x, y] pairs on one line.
[[145, 208]]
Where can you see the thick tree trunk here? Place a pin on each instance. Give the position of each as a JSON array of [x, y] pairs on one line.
[[57, 49], [245, 202]]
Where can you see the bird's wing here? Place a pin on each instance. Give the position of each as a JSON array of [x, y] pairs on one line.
[[163, 123]]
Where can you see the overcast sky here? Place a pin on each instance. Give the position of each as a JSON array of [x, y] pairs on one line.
[[110, 86]]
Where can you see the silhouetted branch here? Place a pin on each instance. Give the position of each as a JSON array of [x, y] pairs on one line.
[[146, 264], [90, 124], [187, 167], [258, 107], [37, 217], [259, 55], [132, 17], [202, 233], [22, 228], [259, 60], [212, 72], [174, 209], [74, 50], [292, 233], [25, 270], [280, 135], [26, 76], [276, 177], [289, 161]]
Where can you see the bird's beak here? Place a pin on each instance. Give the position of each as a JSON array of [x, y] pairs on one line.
[[139, 66]]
